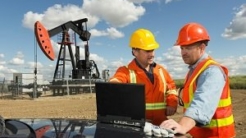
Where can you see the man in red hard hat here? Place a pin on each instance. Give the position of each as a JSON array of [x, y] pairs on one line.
[[206, 92]]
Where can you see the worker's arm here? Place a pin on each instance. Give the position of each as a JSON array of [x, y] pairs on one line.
[[121, 75], [114, 80]]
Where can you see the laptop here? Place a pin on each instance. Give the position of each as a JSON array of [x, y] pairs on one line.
[[120, 103]]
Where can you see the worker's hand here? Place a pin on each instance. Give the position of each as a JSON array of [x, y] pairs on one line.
[[170, 124], [170, 110]]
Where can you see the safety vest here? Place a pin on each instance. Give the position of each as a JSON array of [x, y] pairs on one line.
[[156, 105], [222, 122]]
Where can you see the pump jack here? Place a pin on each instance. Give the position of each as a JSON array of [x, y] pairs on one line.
[[83, 71], [80, 68]]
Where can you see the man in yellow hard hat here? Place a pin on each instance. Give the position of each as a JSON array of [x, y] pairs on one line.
[[160, 89]]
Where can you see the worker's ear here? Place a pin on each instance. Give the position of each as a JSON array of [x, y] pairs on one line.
[[202, 47], [135, 51]]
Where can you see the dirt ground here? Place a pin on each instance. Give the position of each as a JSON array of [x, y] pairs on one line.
[[84, 106]]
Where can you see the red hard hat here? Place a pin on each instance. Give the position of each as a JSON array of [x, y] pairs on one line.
[[191, 33]]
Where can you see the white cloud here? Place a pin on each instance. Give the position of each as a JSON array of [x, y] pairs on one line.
[[30, 18], [124, 12], [142, 1], [173, 62], [20, 55], [148, 1], [96, 58], [116, 64], [1, 55], [6, 72], [237, 27], [168, 1], [32, 65], [111, 32], [235, 65], [57, 15], [2, 62], [18, 59], [97, 33]]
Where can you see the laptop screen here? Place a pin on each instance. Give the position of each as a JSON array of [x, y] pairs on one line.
[[120, 103]]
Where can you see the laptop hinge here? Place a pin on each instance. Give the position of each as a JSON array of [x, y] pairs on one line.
[[120, 120]]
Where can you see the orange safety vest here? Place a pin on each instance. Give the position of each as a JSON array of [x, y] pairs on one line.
[[157, 95], [222, 123]]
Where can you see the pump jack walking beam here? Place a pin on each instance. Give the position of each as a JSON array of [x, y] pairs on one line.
[[43, 36]]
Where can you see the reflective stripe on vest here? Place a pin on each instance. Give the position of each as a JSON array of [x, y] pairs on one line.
[[220, 122], [155, 106], [150, 106], [133, 78], [222, 103], [163, 80]]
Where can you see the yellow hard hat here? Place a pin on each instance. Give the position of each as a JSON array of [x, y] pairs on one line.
[[143, 39]]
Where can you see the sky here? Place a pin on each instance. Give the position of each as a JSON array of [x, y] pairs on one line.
[[111, 23]]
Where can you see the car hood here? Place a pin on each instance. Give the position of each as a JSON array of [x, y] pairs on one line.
[[66, 128]]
